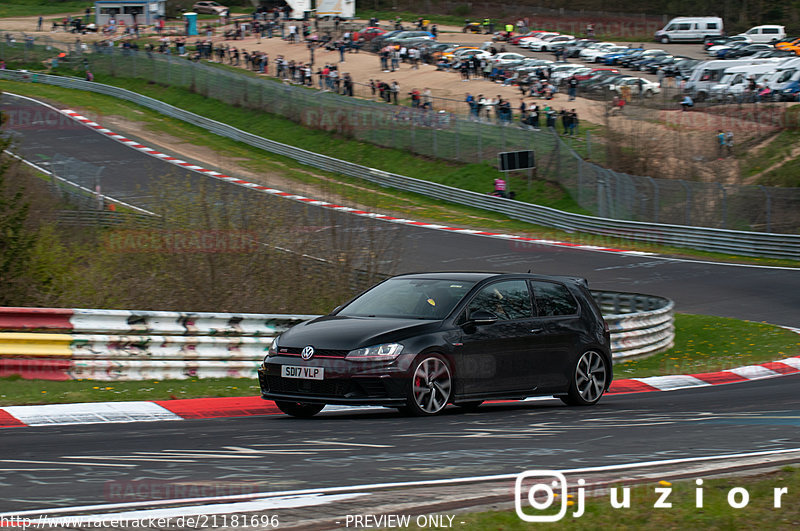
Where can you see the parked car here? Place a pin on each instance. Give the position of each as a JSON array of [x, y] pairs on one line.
[[526, 42], [767, 34], [724, 41], [368, 33], [573, 50], [419, 342], [596, 49], [548, 45], [506, 58], [584, 76], [649, 88], [207, 7], [748, 50], [614, 58]]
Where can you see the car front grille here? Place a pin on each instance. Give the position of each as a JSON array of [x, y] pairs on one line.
[[318, 353], [277, 384]]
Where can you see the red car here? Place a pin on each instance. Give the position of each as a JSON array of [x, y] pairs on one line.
[[516, 38], [368, 33], [593, 71]]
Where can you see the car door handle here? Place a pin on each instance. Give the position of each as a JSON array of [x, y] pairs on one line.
[[537, 330]]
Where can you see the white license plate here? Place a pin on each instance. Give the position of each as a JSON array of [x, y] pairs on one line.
[[305, 373]]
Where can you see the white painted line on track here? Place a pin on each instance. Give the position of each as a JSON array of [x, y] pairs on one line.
[[90, 413], [381, 486]]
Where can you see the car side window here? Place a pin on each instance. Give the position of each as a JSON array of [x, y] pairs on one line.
[[553, 299], [508, 299]]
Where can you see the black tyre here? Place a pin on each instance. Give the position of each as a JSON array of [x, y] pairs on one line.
[[301, 410], [589, 379], [430, 388]]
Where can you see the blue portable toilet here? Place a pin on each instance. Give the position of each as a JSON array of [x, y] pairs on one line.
[[191, 23]]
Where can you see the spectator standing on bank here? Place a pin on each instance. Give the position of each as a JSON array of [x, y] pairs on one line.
[[573, 87], [720, 144], [348, 84], [394, 91], [427, 99], [39, 23], [729, 142], [573, 122], [470, 100]]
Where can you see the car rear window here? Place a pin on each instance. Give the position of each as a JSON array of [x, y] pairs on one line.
[[553, 299]]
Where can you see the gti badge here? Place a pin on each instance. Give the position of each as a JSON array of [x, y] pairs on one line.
[[307, 353]]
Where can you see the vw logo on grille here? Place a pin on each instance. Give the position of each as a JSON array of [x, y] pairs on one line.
[[307, 353]]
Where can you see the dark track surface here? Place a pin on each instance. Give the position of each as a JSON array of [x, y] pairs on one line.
[[352, 448], [283, 453], [754, 293]]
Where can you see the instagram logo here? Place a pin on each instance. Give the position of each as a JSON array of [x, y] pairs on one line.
[[545, 496]]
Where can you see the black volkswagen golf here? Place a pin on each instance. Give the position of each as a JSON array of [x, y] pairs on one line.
[[421, 341]]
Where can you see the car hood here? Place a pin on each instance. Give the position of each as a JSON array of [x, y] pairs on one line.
[[346, 333]]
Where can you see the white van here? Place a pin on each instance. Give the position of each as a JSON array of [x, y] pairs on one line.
[[735, 81], [766, 34], [707, 74], [688, 29], [786, 73]]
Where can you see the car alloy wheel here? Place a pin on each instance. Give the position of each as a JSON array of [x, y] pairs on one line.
[[588, 381], [431, 387], [301, 410]]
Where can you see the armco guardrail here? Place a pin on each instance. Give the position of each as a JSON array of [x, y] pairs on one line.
[[59, 344], [772, 245]]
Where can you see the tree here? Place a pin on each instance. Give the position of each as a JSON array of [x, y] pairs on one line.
[[16, 241]]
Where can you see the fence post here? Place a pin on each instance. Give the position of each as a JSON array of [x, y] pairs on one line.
[[767, 207], [457, 120], [479, 127], [688, 201], [588, 145]]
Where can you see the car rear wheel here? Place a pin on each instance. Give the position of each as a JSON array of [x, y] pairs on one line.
[[430, 388], [301, 410], [588, 380], [665, 40]]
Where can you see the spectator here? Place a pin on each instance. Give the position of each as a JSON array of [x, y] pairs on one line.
[[720, 144], [427, 99], [395, 90], [499, 187], [686, 103], [729, 142]]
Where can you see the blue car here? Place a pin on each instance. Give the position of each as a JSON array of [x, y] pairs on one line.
[[613, 58]]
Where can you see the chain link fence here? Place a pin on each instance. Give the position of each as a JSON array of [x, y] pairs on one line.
[[447, 132]]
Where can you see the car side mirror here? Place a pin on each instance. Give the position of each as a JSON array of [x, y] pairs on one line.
[[482, 317]]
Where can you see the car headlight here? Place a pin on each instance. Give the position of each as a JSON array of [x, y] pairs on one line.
[[273, 349], [385, 352]]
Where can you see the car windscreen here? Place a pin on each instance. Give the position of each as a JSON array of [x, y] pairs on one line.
[[409, 298]]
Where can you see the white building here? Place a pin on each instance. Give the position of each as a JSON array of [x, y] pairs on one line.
[[143, 12]]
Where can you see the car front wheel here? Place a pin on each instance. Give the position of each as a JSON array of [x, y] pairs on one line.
[[588, 381], [430, 388], [301, 410]]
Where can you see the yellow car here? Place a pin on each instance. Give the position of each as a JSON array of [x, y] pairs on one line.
[[788, 44]]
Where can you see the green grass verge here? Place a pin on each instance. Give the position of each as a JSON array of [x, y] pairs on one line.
[[702, 344], [705, 343], [32, 8], [715, 514], [345, 188], [781, 151]]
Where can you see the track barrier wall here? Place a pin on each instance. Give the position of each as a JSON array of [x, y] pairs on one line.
[[116, 345]]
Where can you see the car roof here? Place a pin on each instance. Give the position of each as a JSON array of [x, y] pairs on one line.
[[477, 276]]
